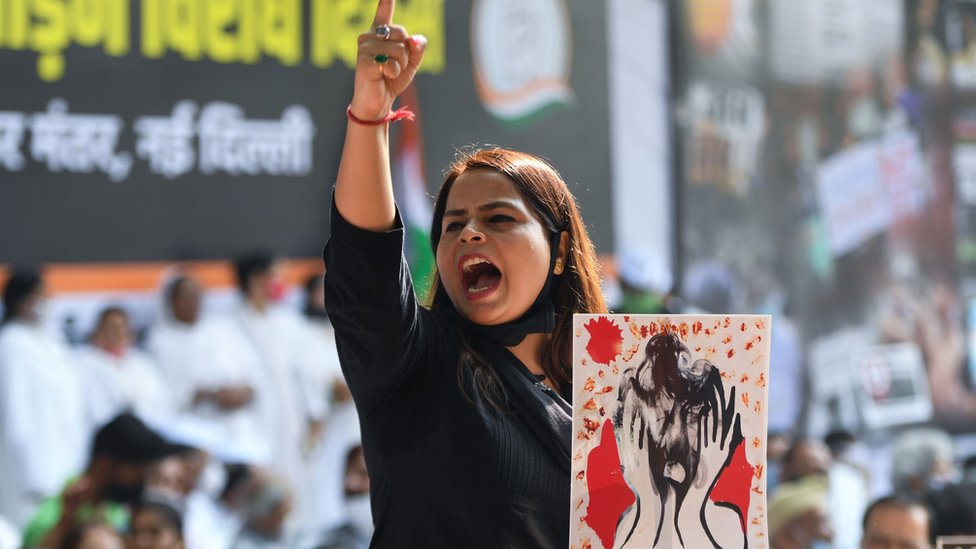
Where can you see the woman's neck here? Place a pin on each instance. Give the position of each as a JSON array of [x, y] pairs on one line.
[[529, 351]]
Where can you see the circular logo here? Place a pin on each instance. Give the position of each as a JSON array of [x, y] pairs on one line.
[[522, 56]]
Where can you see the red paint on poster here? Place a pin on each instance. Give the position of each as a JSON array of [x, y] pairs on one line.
[[733, 487], [606, 340], [609, 494]]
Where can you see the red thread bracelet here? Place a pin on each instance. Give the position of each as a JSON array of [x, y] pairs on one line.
[[403, 113]]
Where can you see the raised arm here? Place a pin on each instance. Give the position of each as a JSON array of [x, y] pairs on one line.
[[386, 64]]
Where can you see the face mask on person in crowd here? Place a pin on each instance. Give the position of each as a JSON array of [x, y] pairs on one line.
[[276, 289], [116, 350], [359, 513]]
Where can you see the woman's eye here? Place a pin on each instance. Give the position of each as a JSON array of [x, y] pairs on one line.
[[499, 218], [453, 226]]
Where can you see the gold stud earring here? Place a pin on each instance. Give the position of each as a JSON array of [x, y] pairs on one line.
[[559, 266]]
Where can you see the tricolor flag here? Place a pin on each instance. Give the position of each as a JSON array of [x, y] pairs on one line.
[[410, 189]]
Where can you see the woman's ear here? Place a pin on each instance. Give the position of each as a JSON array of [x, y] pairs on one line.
[[560, 265]]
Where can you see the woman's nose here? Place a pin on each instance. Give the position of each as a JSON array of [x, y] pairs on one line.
[[471, 233]]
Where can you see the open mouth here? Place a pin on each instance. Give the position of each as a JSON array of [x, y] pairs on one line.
[[479, 276]]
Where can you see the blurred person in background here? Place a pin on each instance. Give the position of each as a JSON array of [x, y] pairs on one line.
[[897, 522], [798, 517], [645, 283], [155, 524], [846, 448], [267, 503], [179, 345], [340, 435], [321, 365], [923, 460], [92, 535], [166, 480], [41, 446], [806, 458], [270, 337], [211, 521], [709, 287], [848, 492], [122, 453], [212, 382], [193, 484], [323, 388], [777, 445], [120, 377], [228, 518], [357, 530]]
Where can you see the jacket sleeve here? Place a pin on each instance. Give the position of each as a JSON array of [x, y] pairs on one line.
[[380, 328]]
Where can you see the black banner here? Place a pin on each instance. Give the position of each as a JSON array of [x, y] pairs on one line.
[[190, 129]]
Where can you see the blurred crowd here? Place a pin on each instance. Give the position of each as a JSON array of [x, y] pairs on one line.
[[839, 491], [235, 429], [209, 431], [820, 492]]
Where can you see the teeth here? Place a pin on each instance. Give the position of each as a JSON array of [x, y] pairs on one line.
[[468, 266], [468, 263]]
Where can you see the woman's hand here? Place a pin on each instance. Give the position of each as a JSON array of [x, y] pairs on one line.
[[386, 64]]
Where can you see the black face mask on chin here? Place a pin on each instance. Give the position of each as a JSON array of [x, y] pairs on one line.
[[123, 494]]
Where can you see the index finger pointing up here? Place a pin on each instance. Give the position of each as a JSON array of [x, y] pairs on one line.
[[384, 13]]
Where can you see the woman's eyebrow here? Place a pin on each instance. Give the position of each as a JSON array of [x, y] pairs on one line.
[[488, 206], [496, 204], [493, 205]]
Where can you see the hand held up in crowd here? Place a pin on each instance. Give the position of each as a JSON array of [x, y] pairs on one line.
[[387, 62]]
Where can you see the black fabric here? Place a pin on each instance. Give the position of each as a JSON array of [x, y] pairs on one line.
[[544, 411], [447, 469]]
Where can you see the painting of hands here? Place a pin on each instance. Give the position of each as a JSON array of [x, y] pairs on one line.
[[670, 423]]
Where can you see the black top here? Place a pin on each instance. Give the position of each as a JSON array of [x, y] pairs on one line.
[[447, 469]]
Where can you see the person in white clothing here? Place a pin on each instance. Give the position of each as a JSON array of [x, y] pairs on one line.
[[324, 389], [41, 446], [120, 377], [337, 503], [211, 380], [267, 504], [265, 333]]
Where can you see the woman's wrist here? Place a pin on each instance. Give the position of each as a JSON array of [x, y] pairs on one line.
[[367, 112], [402, 113]]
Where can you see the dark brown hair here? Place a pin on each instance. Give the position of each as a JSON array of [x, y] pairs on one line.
[[577, 290]]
